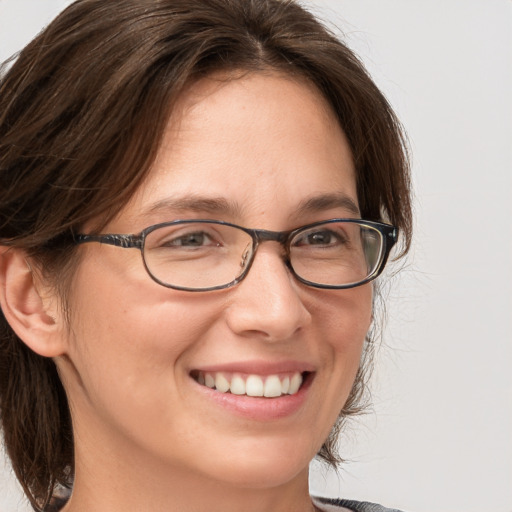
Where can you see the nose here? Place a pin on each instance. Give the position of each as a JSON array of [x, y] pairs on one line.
[[268, 303]]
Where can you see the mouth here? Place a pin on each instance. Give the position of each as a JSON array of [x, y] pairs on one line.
[[252, 385]]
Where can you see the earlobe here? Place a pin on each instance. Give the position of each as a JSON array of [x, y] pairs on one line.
[[34, 317]]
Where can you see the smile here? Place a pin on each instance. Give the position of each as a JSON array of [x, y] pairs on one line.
[[268, 386]]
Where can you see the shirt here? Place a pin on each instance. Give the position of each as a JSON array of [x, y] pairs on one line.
[[330, 505]]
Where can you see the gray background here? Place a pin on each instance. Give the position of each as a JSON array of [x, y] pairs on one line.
[[439, 438]]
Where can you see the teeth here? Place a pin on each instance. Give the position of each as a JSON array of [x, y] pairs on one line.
[[285, 385], [209, 380], [254, 386], [237, 385], [221, 383], [295, 384], [271, 386]]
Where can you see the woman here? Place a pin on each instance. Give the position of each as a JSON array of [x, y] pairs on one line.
[[246, 155]]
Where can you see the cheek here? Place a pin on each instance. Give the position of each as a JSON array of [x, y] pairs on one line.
[[345, 317], [124, 339], [342, 321]]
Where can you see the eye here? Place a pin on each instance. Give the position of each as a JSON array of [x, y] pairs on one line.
[[189, 240], [194, 239], [185, 237], [320, 237]]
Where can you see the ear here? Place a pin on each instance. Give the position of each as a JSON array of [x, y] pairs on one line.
[[31, 309]]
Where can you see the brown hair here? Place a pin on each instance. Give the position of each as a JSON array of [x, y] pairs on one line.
[[82, 113]]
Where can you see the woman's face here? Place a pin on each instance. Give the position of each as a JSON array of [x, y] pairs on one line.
[[261, 151]]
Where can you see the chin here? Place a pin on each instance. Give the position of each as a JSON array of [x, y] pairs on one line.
[[263, 465]]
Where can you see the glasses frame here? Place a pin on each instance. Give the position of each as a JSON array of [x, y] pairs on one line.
[[388, 232]]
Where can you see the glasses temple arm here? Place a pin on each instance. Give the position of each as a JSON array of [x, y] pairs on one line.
[[125, 241]]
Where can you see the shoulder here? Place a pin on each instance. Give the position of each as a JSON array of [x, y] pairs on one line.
[[334, 505]]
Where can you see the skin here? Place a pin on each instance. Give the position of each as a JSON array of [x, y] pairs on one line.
[[144, 433]]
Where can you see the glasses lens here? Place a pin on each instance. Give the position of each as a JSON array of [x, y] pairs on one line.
[[197, 255], [336, 253], [206, 255]]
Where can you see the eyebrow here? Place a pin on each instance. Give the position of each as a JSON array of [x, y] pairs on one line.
[[324, 202], [198, 204], [222, 206]]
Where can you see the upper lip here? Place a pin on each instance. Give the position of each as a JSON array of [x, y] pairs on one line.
[[258, 367]]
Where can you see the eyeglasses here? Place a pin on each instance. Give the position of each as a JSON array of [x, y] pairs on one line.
[[204, 255]]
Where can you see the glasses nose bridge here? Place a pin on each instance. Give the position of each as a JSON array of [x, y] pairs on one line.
[[264, 235]]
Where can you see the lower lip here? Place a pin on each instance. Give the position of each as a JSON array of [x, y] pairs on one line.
[[260, 408]]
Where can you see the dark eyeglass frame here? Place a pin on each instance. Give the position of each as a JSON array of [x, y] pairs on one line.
[[388, 232]]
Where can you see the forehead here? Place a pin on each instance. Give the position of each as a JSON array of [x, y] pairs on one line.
[[256, 141]]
